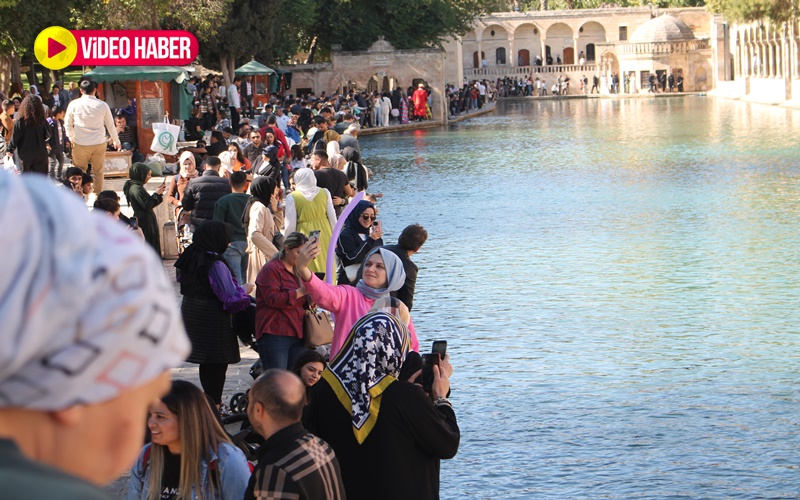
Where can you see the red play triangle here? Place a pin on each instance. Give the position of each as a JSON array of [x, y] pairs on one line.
[[54, 47]]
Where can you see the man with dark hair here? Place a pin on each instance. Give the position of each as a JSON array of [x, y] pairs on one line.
[[203, 192], [234, 101], [218, 144], [58, 141], [229, 209], [256, 147], [248, 91], [87, 121], [410, 241], [316, 133], [296, 464], [335, 181]]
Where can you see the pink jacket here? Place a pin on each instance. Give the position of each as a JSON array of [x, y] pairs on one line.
[[348, 306]]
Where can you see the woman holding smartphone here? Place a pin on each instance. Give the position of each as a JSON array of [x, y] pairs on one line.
[[143, 202], [361, 233]]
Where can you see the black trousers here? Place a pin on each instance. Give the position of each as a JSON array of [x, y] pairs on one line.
[[234, 120], [212, 378]]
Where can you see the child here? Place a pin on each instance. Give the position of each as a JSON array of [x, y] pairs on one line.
[[58, 141]]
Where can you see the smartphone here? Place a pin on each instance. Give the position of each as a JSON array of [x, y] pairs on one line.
[[134, 221], [314, 235], [437, 354]]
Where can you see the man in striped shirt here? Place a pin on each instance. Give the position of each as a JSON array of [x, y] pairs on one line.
[[294, 464]]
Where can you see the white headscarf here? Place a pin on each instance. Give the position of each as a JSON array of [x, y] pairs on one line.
[[306, 182], [87, 309], [332, 148]]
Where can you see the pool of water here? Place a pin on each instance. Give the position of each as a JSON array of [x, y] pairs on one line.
[[619, 283]]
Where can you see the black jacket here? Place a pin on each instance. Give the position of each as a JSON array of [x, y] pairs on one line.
[[202, 194], [406, 292]]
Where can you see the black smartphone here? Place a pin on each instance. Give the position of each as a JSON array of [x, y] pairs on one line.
[[134, 222], [314, 235], [437, 354]]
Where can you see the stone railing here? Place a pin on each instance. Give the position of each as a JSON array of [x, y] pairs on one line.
[[657, 48], [494, 72]]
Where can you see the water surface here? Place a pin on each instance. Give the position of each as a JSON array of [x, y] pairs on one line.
[[619, 285]]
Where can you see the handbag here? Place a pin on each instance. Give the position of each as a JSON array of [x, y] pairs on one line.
[[317, 329], [165, 139]]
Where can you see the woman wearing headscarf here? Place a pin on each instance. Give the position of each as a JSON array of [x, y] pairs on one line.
[[210, 296], [358, 237], [143, 202], [281, 302], [383, 273], [262, 220], [178, 183], [310, 208], [383, 430], [354, 169]]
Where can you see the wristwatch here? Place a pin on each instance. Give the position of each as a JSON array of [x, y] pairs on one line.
[[442, 401]]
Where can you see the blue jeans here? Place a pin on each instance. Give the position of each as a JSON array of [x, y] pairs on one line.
[[285, 175], [278, 351], [236, 257]]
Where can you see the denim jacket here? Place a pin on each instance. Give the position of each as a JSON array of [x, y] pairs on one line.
[[231, 465]]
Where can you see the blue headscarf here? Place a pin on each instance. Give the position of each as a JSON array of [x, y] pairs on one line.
[[395, 275], [352, 220]]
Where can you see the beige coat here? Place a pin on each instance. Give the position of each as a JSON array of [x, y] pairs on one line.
[[260, 231]]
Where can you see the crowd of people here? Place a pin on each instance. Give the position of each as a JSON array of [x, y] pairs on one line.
[[346, 421]]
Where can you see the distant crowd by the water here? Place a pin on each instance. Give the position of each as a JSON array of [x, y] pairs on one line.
[[277, 228]]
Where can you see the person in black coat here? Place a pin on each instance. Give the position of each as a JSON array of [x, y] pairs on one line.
[[388, 434], [29, 137], [210, 296], [202, 192], [357, 238]]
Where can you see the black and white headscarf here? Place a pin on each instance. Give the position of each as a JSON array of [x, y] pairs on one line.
[[368, 362]]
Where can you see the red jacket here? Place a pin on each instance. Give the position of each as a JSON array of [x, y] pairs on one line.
[[283, 144]]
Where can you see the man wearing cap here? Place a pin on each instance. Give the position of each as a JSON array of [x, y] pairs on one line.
[[87, 121], [90, 330]]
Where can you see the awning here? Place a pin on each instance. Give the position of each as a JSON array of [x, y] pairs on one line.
[[137, 73], [253, 68]]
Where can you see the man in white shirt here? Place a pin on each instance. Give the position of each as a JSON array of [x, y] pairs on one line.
[[234, 101], [283, 120], [481, 94], [87, 121]]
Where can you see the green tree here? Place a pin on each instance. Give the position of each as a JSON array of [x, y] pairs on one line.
[[741, 11]]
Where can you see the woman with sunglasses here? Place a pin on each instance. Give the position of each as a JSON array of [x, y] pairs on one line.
[[361, 233]]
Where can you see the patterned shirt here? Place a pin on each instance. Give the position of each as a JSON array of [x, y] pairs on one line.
[[296, 465]]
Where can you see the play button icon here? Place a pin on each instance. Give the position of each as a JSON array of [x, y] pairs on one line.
[[54, 47]]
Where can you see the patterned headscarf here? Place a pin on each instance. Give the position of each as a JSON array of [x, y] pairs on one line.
[[368, 362], [87, 309]]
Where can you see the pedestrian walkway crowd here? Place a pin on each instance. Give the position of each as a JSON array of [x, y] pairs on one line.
[[92, 328]]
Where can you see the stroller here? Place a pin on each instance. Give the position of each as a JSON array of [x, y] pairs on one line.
[[183, 231]]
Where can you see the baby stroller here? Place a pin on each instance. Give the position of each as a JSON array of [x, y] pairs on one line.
[[183, 231]]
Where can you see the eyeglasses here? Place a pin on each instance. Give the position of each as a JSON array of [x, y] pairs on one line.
[[369, 217]]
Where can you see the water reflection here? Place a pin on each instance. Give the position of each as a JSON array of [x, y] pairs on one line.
[[618, 284]]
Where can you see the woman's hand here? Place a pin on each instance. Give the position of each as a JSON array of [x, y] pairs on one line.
[[273, 203], [160, 189], [377, 232], [308, 253], [441, 378], [249, 288], [337, 201]]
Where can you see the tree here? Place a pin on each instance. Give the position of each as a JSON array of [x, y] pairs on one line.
[[742, 11], [407, 24]]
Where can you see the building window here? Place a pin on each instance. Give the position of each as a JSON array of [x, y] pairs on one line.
[[500, 56], [623, 33], [644, 79]]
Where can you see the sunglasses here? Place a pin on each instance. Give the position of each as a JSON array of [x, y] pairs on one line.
[[368, 217]]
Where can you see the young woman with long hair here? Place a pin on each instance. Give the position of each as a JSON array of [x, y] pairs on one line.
[[30, 136], [190, 456]]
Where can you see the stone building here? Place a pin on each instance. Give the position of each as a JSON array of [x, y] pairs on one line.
[[577, 43], [381, 67], [764, 63]]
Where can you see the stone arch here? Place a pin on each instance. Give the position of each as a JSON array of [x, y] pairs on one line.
[[527, 43], [494, 36], [590, 34], [609, 63], [558, 37]]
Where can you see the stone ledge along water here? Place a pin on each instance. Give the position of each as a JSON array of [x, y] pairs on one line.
[[618, 284]]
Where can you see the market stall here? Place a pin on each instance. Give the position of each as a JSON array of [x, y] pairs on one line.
[[150, 93], [261, 80]]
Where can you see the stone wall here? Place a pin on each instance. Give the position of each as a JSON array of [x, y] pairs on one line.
[[382, 64]]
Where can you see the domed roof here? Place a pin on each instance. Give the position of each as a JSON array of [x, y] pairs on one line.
[[664, 28]]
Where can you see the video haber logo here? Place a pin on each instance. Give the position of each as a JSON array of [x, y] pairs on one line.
[[56, 47]]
